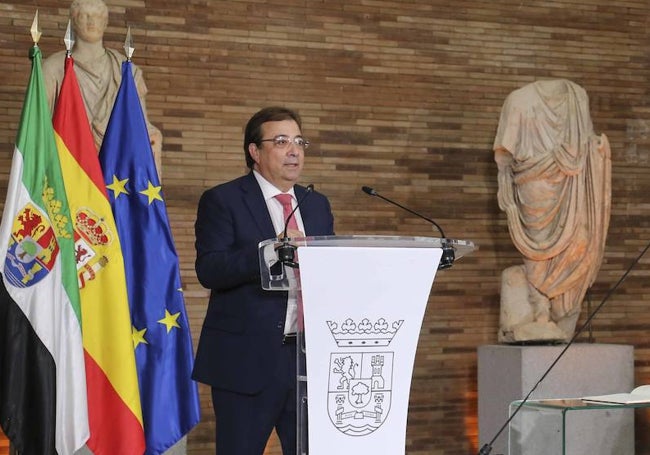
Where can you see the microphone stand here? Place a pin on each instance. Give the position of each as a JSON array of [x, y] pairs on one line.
[[487, 448], [286, 251], [448, 254]]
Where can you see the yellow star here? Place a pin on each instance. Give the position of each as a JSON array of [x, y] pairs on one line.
[[118, 186], [152, 192], [138, 336], [170, 320]]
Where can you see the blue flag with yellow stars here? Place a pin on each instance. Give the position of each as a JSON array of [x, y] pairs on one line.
[[161, 332]]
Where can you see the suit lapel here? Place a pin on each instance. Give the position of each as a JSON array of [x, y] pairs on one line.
[[256, 205], [306, 209]]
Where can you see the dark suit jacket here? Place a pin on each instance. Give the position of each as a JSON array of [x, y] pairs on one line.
[[243, 328]]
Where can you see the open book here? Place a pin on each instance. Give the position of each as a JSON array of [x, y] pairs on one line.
[[639, 395]]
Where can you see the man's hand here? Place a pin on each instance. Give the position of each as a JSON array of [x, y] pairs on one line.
[[292, 234]]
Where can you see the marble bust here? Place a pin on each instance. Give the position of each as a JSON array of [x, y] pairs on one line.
[[98, 70]]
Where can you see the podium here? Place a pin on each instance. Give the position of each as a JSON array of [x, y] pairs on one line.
[[361, 304]]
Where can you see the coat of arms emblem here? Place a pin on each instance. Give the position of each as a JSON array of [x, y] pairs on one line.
[[360, 382], [91, 237], [33, 248]]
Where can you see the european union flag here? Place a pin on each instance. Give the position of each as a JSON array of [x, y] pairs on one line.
[[161, 332]]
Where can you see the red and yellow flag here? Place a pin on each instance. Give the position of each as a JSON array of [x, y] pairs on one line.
[[114, 410]]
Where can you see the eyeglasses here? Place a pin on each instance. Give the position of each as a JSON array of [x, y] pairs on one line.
[[282, 141]]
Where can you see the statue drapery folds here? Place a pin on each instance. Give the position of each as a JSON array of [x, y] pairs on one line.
[[554, 178]]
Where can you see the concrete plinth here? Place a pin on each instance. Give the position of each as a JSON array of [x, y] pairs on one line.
[[508, 373]]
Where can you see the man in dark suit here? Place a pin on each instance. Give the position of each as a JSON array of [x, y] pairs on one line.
[[246, 352]]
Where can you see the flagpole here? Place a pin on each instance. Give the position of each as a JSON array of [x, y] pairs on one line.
[[36, 36], [68, 40], [128, 45], [161, 330], [36, 33]]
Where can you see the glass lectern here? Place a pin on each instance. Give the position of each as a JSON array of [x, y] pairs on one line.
[[361, 304]]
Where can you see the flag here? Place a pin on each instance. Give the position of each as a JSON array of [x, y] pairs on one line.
[[42, 381], [114, 410], [161, 332]]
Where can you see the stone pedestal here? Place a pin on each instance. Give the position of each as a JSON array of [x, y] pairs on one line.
[[508, 373]]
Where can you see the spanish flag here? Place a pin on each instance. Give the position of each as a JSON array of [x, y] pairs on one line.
[[114, 411]]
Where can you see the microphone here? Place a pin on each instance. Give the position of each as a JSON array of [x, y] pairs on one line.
[[487, 447], [448, 255], [287, 251]]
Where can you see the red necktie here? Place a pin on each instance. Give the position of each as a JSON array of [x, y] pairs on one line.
[[285, 199]]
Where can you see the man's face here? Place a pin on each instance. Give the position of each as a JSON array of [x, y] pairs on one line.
[[280, 166], [89, 22]]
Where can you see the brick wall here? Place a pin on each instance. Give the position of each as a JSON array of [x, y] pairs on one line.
[[401, 95]]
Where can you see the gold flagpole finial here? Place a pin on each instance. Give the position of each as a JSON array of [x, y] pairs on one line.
[[128, 45], [35, 31], [68, 39]]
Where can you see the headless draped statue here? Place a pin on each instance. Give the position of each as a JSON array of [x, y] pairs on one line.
[[555, 187], [98, 70]]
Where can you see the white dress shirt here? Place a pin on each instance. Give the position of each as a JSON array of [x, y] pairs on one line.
[[277, 217]]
